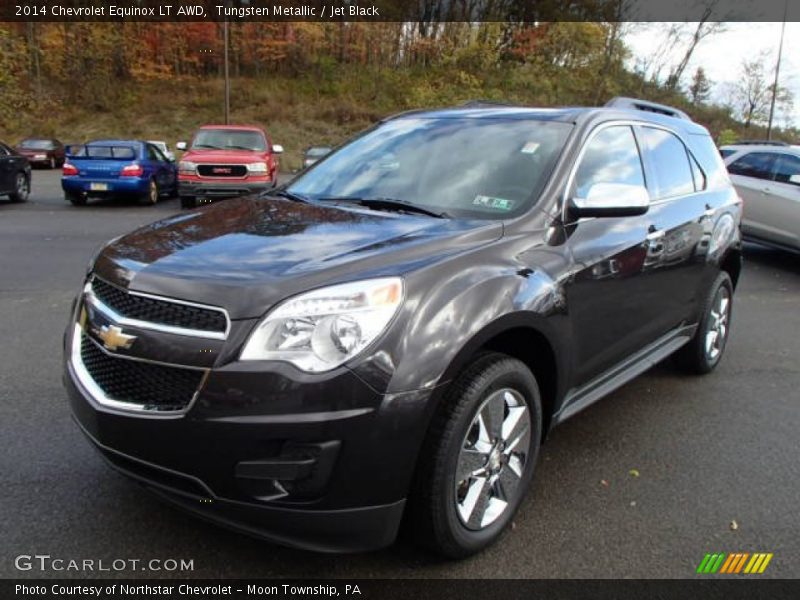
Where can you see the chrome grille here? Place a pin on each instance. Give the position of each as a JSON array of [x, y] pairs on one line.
[[159, 311]]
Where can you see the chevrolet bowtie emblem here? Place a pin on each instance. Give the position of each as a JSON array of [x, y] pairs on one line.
[[113, 338]]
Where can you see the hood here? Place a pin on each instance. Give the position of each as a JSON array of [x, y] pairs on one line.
[[246, 254], [224, 157]]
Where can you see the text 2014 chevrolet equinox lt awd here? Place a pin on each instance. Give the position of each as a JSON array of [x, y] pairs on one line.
[[390, 337]]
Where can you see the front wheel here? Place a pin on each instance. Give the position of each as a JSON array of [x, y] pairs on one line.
[[22, 188], [706, 348], [479, 456]]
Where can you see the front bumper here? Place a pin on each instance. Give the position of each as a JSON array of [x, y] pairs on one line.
[[226, 189], [317, 462]]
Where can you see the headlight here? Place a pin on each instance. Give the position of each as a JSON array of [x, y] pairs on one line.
[[257, 167], [39, 156], [187, 166], [320, 330]]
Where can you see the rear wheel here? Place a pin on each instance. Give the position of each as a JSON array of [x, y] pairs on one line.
[[703, 353], [151, 197], [478, 459], [188, 201], [75, 199], [22, 188]]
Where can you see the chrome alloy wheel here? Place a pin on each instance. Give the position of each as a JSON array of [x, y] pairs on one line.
[[492, 459], [717, 327]]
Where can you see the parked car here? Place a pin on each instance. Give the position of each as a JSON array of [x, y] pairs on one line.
[[42, 151], [164, 149], [390, 337], [15, 174], [767, 177], [118, 168], [223, 161], [314, 153]]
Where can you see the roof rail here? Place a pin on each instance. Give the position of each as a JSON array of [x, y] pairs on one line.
[[759, 143], [646, 105]]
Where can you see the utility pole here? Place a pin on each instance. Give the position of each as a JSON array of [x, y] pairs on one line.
[[225, 35], [777, 72]]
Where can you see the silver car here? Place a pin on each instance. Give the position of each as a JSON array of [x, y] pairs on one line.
[[767, 177]]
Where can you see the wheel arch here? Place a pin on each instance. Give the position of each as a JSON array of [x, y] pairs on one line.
[[524, 336]]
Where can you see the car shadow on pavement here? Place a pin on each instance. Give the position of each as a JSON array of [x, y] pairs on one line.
[[758, 256]]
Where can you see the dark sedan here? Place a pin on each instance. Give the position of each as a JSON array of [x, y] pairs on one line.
[[15, 174], [46, 152]]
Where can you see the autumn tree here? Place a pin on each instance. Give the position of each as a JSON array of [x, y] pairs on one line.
[[700, 89]]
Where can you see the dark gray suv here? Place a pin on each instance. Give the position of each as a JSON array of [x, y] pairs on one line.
[[390, 338]]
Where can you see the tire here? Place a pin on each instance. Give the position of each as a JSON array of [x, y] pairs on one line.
[[22, 188], [151, 197], [188, 202], [75, 199], [459, 518], [704, 352]]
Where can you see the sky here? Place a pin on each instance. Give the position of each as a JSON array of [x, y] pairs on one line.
[[721, 55]]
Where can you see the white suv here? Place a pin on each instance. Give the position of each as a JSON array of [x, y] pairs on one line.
[[767, 177]]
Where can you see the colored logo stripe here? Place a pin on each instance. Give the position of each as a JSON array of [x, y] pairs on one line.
[[735, 562]]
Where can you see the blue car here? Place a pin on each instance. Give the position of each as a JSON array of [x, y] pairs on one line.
[[118, 168]]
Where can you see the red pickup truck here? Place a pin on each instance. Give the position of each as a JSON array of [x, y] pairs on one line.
[[223, 161]]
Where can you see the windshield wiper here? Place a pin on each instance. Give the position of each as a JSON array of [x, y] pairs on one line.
[[234, 147], [390, 204], [207, 146], [283, 193]]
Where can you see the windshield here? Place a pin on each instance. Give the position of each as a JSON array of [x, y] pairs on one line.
[[37, 144], [488, 168], [317, 151], [229, 139]]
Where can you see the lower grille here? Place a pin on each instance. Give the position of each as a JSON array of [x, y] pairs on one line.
[[152, 387], [221, 170]]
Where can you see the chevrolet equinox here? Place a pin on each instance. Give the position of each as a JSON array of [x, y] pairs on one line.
[[390, 337]]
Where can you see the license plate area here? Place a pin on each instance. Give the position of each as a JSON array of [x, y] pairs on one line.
[[98, 187]]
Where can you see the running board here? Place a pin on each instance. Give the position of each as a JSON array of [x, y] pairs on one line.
[[633, 366]]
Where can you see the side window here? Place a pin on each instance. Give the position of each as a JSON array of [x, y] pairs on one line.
[[4, 150], [153, 153], [612, 156], [726, 152], [788, 166], [754, 164], [670, 162]]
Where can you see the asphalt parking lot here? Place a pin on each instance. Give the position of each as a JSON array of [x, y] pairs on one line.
[[717, 457]]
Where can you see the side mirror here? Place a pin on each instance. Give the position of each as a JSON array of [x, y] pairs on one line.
[[795, 179], [181, 146], [277, 149], [612, 200]]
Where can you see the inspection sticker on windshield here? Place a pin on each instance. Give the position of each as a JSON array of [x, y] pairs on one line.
[[493, 203], [530, 148]]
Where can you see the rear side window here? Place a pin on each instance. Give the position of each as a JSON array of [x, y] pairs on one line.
[[670, 162], [726, 152], [612, 156], [788, 167], [754, 164]]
